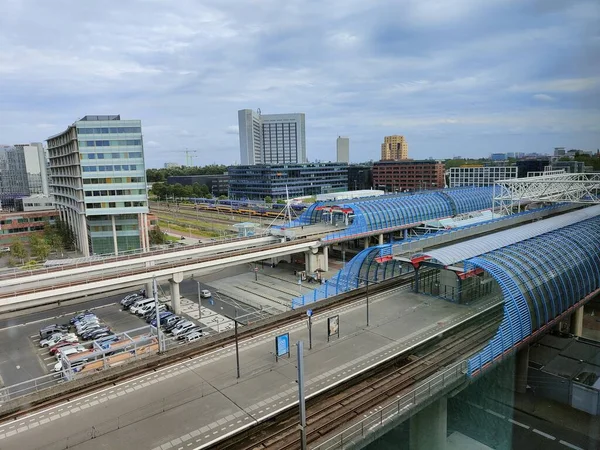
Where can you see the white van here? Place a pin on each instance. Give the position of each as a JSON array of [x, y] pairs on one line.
[[139, 304]]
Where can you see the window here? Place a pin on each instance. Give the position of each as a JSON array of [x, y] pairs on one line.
[[100, 155], [91, 156], [116, 155], [127, 204], [89, 168]]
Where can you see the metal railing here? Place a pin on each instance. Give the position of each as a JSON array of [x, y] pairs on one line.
[[133, 254], [423, 393]]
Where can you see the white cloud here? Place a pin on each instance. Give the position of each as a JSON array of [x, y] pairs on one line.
[[543, 97], [562, 85]]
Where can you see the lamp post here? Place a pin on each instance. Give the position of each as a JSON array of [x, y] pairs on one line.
[[237, 349], [199, 303], [366, 280]]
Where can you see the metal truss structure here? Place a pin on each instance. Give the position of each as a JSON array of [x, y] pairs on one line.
[[546, 187]]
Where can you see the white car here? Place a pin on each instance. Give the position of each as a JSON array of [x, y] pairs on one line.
[[193, 336], [70, 351], [205, 293], [181, 328], [56, 338]]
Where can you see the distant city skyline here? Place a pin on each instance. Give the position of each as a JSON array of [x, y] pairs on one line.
[[469, 78]]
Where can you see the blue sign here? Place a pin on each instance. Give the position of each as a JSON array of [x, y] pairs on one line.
[[309, 312], [282, 344]]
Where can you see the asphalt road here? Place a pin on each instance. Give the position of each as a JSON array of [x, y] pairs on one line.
[[516, 430]]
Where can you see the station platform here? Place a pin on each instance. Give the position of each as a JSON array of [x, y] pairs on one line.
[[198, 402]]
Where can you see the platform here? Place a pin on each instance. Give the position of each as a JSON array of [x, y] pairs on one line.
[[199, 401]]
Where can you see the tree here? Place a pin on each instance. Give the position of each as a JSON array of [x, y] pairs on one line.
[[281, 201], [17, 249], [222, 197], [38, 247], [157, 237], [268, 199], [65, 233]]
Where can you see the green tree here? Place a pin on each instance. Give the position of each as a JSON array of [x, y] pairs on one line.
[[222, 197], [281, 201], [17, 249], [157, 237], [268, 199], [38, 247], [66, 234]]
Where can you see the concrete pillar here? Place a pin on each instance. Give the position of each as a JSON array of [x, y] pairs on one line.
[[307, 267], [149, 289], [428, 427], [522, 369], [114, 234], [405, 233], [175, 299], [83, 232], [367, 242], [577, 322], [325, 259], [343, 245], [381, 239]]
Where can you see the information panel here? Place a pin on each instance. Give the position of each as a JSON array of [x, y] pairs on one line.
[[282, 345], [333, 327]]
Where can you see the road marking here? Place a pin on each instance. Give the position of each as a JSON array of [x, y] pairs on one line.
[[546, 435], [519, 424], [494, 413], [566, 444]]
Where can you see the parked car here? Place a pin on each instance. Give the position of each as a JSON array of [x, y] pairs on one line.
[[75, 366], [71, 350], [101, 334], [181, 336], [89, 334], [181, 328], [54, 349], [170, 320], [149, 315], [163, 316], [140, 304], [49, 330], [86, 320], [205, 293], [129, 297], [56, 338], [81, 316], [87, 326], [108, 339], [173, 324], [193, 336]]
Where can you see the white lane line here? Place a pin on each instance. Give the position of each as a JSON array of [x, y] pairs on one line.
[[566, 444], [546, 435], [519, 424], [494, 413]]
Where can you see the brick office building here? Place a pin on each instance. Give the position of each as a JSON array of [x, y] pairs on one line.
[[409, 175]]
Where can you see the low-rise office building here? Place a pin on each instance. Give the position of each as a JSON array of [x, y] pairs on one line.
[[409, 175], [20, 225], [280, 180]]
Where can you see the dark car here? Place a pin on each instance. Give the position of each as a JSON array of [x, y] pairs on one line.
[[87, 333], [170, 320], [130, 301], [101, 334], [52, 329], [80, 316], [188, 331], [173, 324]]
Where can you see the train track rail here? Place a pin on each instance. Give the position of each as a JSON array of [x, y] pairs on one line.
[[354, 399], [68, 391]]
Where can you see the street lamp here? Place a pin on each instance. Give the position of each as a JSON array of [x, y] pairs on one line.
[[366, 280], [199, 303]]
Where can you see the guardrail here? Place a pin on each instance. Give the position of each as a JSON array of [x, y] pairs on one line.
[[423, 393], [179, 265], [19, 273]]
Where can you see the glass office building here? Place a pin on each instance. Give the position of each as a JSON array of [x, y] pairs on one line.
[[259, 181], [98, 179]]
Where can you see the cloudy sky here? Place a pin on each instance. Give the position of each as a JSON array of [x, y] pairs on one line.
[[456, 77]]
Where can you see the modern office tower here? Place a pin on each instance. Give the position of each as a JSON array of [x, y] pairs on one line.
[[360, 178], [35, 168], [271, 138], [98, 180], [559, 151], [394, 148], [278, 181], [343, 149], [399, 176], [480, 176]]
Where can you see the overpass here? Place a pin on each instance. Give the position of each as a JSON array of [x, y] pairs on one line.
[[525, 272], [311, 234]]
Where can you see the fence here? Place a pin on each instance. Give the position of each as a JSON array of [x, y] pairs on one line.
[[422, 394]]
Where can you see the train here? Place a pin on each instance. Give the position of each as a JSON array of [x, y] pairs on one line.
[[243, 207]]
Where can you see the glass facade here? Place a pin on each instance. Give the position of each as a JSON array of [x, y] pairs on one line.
[[98, 172], [257, 182]]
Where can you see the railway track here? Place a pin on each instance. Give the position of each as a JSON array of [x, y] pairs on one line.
[[207, 216], [354, 399], [68, 391]]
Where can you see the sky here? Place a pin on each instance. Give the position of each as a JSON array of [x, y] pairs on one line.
[[455, 77]]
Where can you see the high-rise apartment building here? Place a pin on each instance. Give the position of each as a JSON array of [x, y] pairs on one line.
[[343, 149], [394, 148], [271, 138], [98, 180], [23, 172]]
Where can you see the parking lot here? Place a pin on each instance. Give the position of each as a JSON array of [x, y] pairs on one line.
[[22, 358]]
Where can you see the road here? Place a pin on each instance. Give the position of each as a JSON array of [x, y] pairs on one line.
[[513, 429]]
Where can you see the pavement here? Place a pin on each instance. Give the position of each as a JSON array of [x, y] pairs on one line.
[[193, 403]]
